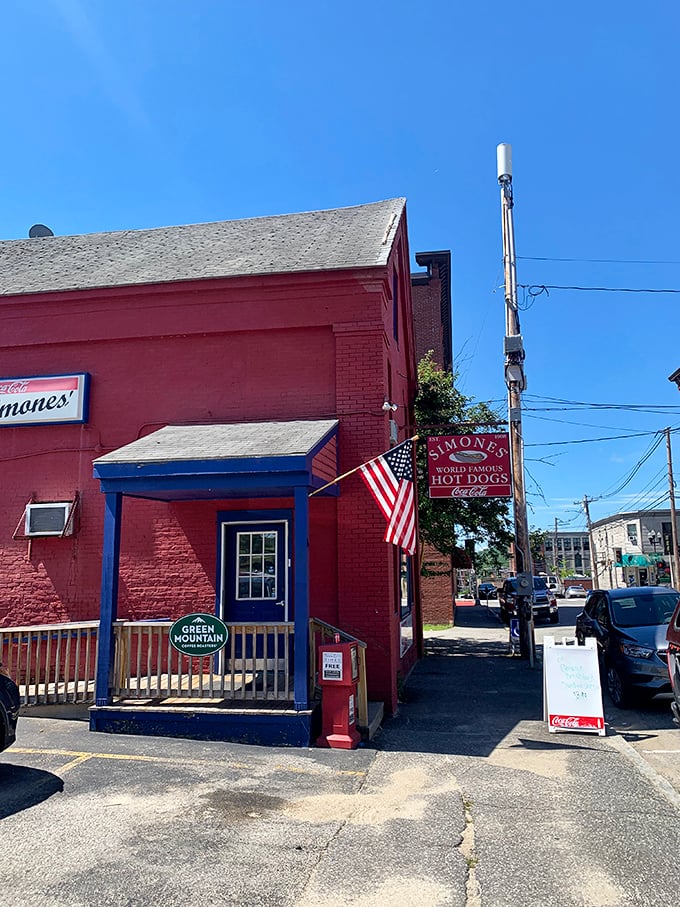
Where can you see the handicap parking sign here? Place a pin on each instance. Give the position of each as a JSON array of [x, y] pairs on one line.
[[514, 629]]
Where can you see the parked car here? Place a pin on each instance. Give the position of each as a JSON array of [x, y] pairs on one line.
[[487, 591], [673, 639], [575, 591], [544, 602], [554, 584], [630, 627], [9, 709]]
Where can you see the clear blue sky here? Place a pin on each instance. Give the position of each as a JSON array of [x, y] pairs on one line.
[[141, 113]]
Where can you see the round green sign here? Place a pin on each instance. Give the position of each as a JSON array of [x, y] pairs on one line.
[[199, 634]]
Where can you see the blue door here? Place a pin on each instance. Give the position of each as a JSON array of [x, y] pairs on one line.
[[255, 572]]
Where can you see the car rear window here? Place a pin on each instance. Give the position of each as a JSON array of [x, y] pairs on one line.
[[644, 609], [539, 583]]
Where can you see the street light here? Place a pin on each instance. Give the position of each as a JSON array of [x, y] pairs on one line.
[[654, 539]]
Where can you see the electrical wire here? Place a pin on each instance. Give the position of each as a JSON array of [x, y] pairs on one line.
[[633, 472], [639, 434], [601, 261], [537, 289], [530, 415]]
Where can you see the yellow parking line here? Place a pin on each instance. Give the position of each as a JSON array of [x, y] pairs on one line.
[[74, 762], [81, 756]]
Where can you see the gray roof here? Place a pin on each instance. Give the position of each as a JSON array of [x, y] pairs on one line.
[[338, 238], [223, 442]]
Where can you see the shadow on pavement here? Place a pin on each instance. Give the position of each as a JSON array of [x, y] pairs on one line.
[[22, 787], [467, 694]]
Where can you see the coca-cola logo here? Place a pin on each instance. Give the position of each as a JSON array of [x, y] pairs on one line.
[[574, 721], [477, 492], [14, 387]]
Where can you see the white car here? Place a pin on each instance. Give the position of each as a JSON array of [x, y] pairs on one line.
[[575, 592]]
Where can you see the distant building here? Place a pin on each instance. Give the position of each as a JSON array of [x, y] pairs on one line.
[[633, 549], [567, 552]]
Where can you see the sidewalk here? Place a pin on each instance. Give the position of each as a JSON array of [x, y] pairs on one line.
[[564, 819]]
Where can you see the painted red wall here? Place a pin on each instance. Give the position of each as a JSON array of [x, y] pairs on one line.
[[303, 346]]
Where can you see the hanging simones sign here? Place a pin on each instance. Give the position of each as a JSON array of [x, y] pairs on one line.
[[469, 466], [47, 399]]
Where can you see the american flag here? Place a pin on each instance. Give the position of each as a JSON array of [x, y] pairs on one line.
[[390, 481]]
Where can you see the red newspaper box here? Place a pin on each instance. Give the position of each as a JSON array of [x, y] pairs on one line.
[[338, 679]]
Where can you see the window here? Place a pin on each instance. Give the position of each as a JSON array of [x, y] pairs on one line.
[[578, 562], [548, 544], [577, 544], [257, 565], [631, 530], [567, 544], [395, 304], [586, 545], [405, 585], [601, 612]]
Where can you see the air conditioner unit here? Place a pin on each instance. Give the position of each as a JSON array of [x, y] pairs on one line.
[[48, 519]]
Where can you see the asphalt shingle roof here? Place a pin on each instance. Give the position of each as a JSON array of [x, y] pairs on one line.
[[338, 238], [223, 442]]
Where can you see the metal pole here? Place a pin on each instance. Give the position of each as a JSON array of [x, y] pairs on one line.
[[516, 383], [556, 566], [675, 578], [593, 553]]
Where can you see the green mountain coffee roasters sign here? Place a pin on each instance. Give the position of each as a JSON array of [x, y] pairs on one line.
[[199, 634]]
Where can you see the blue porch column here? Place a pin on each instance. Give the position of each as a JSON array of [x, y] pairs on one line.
[[301, 590], [108, 609]]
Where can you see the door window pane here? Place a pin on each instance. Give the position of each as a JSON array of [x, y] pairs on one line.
[[257, 570]]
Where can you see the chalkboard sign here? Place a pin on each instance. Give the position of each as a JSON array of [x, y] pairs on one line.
[[571, 687]]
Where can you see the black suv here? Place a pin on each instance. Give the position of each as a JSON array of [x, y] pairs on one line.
[[9, 709], [544, 603], [630, 626]]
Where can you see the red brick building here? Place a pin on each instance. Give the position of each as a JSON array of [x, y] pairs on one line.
[[223, 371], [431, 290]]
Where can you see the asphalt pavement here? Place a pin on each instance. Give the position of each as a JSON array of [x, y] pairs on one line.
[[462, 799]]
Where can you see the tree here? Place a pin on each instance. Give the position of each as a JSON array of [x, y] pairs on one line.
[[492, 561], [444, 522], [537, 539]]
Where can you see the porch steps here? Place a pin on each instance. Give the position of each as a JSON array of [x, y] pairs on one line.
[[376, 711]]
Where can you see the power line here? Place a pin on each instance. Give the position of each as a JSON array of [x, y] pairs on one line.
[[540, 288], [639, 434], [602, 261]]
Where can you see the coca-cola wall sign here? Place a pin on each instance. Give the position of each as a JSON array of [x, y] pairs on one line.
[[47, 399], [469, 466]]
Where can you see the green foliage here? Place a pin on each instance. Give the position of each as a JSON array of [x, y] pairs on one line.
[[446, 522], [490, 561], [537, 539]]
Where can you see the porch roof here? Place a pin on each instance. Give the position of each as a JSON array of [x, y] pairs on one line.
[[253, 459]]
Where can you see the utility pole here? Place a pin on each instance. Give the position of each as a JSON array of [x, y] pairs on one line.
[[675, 564], [516, 383], [593, 554], [556, 566]]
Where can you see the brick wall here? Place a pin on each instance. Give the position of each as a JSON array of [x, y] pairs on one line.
[[437, 589], [276, 348]]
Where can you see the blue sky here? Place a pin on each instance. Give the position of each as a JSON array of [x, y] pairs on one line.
[[138, 114]]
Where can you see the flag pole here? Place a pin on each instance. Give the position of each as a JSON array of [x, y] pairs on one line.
[[356, 469]]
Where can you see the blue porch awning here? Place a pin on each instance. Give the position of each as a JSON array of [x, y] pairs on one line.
[[253, 459]]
